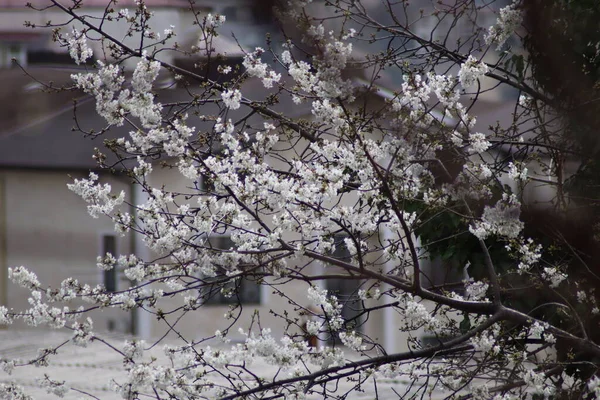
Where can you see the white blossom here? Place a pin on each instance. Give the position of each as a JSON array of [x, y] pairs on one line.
[[486, 343], [594, 386], [82, 333], [255, 67], [99, 197], [517, 173], [79, 50], [214, 21], [502, 219], [508, 21], [476, 290], [471, 71], [232, 98], [553, 276], [12, 391], [24, 278], [7, 366], [537, 381], [352, 340], [134, 350], [224, 69], [286, 57], [525, 101], [169, 32], [5, 318], [143, 169], [415, 315], [529, 254], [329, 304], [479, 142]]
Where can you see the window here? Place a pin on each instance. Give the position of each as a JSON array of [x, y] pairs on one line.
[[436, 274], [206, 184], [346, 290], [217, 149], [10, 51], [49, 57], [109, 245], [249, 15], [243, 290]]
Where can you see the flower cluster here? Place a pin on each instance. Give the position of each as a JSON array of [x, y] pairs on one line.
[[529, 254], [325, 80], [78, 47], [502, 219], [256, 68], [553, 276], [134, 350], [57, 388], [214, 21], [415, 315], [471, 71], [508, 21], [476, 290], [329, 305], [113, 101], [24, 278], [479, 142], [82, 332], [352, 341], [232, 98], [538, 331], [487, 342], [517, 172], [99, 197]]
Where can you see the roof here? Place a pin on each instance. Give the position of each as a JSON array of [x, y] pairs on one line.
[[36, 129], [23, 102], [94, 3], [37, 126]]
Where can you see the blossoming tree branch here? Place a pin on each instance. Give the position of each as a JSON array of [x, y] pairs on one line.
[[387, 181]]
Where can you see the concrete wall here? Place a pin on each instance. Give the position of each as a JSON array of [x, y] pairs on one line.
[[204, 321], [47, 229]]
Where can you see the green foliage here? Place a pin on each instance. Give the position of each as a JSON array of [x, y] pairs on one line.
[[445, 236]]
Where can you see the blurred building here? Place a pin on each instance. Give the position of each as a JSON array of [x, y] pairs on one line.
[[46, 228], [42, 224]]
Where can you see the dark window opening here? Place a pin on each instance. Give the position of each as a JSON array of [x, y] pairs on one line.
[[439, 275], [346, 291], [48, 57], [243, 290], [37, 57], [109, 245]]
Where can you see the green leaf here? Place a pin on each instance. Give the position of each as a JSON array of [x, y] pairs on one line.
[[465, 324], [519, 64]]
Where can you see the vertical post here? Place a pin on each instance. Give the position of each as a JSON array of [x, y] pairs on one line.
[[389, 332], [133, 322], [141, 320], [3, 246]]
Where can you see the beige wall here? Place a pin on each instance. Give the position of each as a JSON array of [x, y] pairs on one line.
[[49, 231], [204, 321]]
